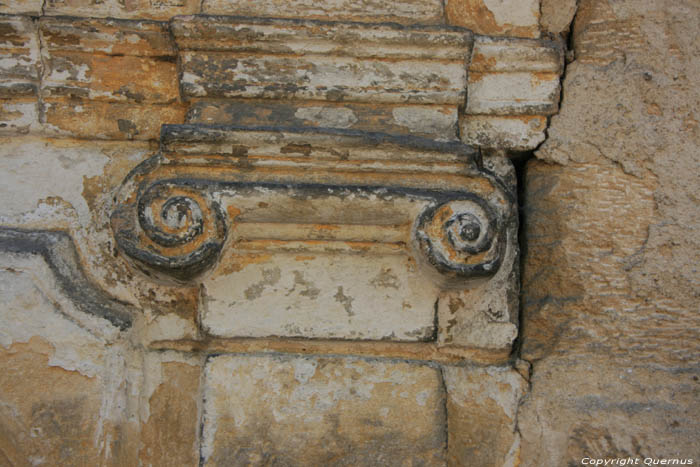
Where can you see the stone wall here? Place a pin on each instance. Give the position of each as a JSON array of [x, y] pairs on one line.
[[267, 232], [610, 276]]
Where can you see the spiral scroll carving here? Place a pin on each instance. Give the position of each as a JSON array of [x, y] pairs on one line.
[[177, 229], [461, 238]]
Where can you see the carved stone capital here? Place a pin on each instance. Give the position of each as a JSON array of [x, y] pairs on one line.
[[273, 186]]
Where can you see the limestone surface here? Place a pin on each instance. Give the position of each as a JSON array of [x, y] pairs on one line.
[[313, 411], [610, 316]]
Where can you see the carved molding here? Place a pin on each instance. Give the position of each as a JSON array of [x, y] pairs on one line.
[[267, 188], [224, 57]]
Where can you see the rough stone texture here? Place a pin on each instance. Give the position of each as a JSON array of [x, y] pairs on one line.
[[19, 116], [610, 277], [107, 36], [517, 93], [557, 15], [170, 417], [322, 411], [19, 47], [400, 11], [109, 120], [482, 406], [517, 18], [97, 77], [518, 133]]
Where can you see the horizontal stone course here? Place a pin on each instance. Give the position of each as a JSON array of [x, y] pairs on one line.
[[129, 9], [108, 120], [433, 121], [339, 62], [269, 71], [107, 36], [400, 11]]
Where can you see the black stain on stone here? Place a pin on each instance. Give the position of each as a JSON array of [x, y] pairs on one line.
[[344, 300], [59, 252]]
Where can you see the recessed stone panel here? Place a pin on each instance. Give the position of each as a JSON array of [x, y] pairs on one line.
[[321, 411], [319, 294]]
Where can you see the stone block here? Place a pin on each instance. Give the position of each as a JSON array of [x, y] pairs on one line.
[[518, 93], [514, 77], [557, 15], [129, 9], [321, 411], [109, 120], [510, 55], [21, 7], [401, 11], [312, 60], [107, 36], [102, 77], [433, 121], [322, 78], [19, 48], [516, 133], [87, 59], [169, 411], [482, 406], [519, 18]]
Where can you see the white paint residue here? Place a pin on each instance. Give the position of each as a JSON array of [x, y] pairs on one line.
[[338, 117], [304, 370], [514, 12]]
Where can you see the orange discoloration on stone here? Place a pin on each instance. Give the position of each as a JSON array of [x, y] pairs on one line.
[[169, 436], [110, 120], [142, 39], [475, 15], [304, 258], [481, 62], [475, 77], [238, 262], [61, 424], [102, 77], [539, 78]]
